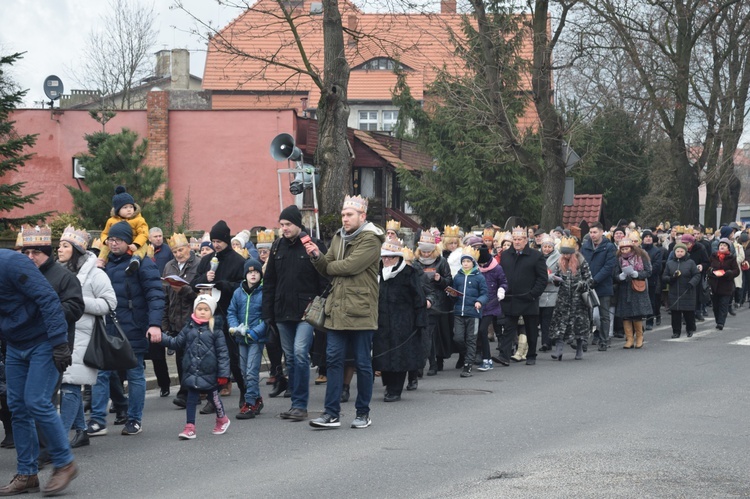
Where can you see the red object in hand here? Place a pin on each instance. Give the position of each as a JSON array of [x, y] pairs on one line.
[[223, 381]]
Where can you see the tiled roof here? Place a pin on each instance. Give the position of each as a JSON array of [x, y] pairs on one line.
[[419, 41], [585, 207]]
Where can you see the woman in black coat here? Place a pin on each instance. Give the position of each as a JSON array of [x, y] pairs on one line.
[[721, 273], [397, 346], [683, 277]]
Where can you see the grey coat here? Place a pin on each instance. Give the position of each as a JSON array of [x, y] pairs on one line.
[[549, 296], [631, 304]]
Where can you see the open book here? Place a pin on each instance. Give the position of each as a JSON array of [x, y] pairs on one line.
[[453, 292], [175, 280]]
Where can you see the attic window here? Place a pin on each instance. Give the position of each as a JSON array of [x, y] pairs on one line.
[[316, 8], [290, 5], [381, 63]]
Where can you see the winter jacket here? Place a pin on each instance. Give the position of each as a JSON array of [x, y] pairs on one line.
[[162, 256], [571, 317], [290, 280], [602, 261], [723, 285], [68, 288], [434, 290], [178, 305], [245, 308], [98, 298], [655, 254], [549, 296], [140, 299], [353, 270], [398, 344], [527, 277], [30, 310], [137, 224], [682, 288], [495, 277], [229, 274], [698, 254], [630, 303], [205, 356], [474, 288]]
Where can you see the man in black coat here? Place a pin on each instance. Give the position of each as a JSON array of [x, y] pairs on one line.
[[698, 254], [526, 272], [226, 278], [654, 286], [289, 283]]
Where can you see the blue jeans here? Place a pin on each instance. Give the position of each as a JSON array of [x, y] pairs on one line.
[[359, 343], [71, 407], [136, 394], [250, 356], [31, 378], [296, 341]]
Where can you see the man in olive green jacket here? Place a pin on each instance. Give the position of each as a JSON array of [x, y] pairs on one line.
[[352, 265]]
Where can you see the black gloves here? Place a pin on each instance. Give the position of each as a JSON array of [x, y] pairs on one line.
[[62, 357]]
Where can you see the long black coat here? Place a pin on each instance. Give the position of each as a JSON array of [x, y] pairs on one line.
[[229, 274], [397, 345], [527, 278], [435, 290], [68, 289], [682, 288], [724, 285]]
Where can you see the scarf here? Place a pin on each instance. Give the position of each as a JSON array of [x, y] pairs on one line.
[[426, 261], [393, 271], [722, 255], [197, 320], [493, 263], [632, 260]]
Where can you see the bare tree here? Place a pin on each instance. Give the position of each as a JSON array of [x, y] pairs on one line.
[[116, 57]]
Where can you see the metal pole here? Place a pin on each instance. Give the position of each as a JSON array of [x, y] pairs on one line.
[[315, 204]]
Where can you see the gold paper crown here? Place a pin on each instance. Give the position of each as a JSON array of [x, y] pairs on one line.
[[634, 236], [468, 250], [265, 236], [80, 238], [709, 230], [96, 244], [451, 231], [488, 233], [19, 240], [178, 239], [195, 244], [519, 231], [503, 236], [408, 254], [357, 203], [568, 243], [36, 237], [393, 225]]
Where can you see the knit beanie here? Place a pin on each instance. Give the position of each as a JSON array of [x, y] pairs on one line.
[[122, 230], [292, 214], [688, 239], [484, 255], [208, 300], [467, 257], [241, 238], [220, 231], [207, 243], [726, 231], [680, 246], [121, 198], [253, 264]]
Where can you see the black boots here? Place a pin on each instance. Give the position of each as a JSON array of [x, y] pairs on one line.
[[345, 394], [559, 345], [279, 386], [579, 349]]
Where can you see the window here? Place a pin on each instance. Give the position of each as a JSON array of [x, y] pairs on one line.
[[389, 120], [368, 120], [380, 63]]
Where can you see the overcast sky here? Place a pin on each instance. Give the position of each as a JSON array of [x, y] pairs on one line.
[[53, 34]]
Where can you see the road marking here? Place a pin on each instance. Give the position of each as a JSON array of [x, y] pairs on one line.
[[744, 341], [698, 334]]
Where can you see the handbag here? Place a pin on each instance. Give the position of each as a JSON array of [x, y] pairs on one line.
[[315, 312], [638, 285], [109, 352], [590, 298]]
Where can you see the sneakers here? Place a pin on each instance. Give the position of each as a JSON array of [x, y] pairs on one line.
[[133, 266], [222, 424], [295, 414], [486, 366], [466, 373], [321, 380], [188, 433], [132, 428], [326, 421], [246, 412], [95, 429], [361, 421]]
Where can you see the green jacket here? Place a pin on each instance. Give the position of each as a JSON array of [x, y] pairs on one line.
[[353, 271]]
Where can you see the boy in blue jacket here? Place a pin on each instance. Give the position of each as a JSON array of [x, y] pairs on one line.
[[472, 286], [249, 331]]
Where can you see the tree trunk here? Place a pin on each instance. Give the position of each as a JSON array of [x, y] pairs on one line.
[[730, 200], [712, 202], [333, 155], [687, 180], [553, 190]]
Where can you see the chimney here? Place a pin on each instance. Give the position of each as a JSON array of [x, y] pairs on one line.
[[352, 27], [163, 63], [157, 121], [180, 69], [447, 6]]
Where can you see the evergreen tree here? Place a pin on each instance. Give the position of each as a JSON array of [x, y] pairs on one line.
[[118, 159], [12, 155]]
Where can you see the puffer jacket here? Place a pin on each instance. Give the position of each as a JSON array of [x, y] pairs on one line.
[[474, 288], [549, 296], [353, 271], [245, 308], [495, 278], [682, 288], [205, 355], [98, 298]]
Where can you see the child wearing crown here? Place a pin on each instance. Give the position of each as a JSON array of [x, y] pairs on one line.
[[125, 208]]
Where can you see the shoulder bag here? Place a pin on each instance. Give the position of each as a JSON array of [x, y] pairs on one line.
[[590, 298], [109, 352], [638, 285], [315, 313]]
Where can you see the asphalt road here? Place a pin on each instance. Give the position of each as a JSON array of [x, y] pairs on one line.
[[669, 420]]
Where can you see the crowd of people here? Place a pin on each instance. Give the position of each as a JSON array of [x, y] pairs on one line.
[[390, 311]]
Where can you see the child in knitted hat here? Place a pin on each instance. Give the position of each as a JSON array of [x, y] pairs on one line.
[[205, 361], [125, 209]]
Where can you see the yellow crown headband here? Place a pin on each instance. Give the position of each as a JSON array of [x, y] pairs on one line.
[[393, 225], [178, 239], [451, 231]]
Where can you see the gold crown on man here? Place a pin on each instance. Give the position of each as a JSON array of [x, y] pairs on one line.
[[19, 240], [357, 203], [519, 231], [265, 236], [41, 236], [178, 239], [393, 225], [451, 231], [79, 237]]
